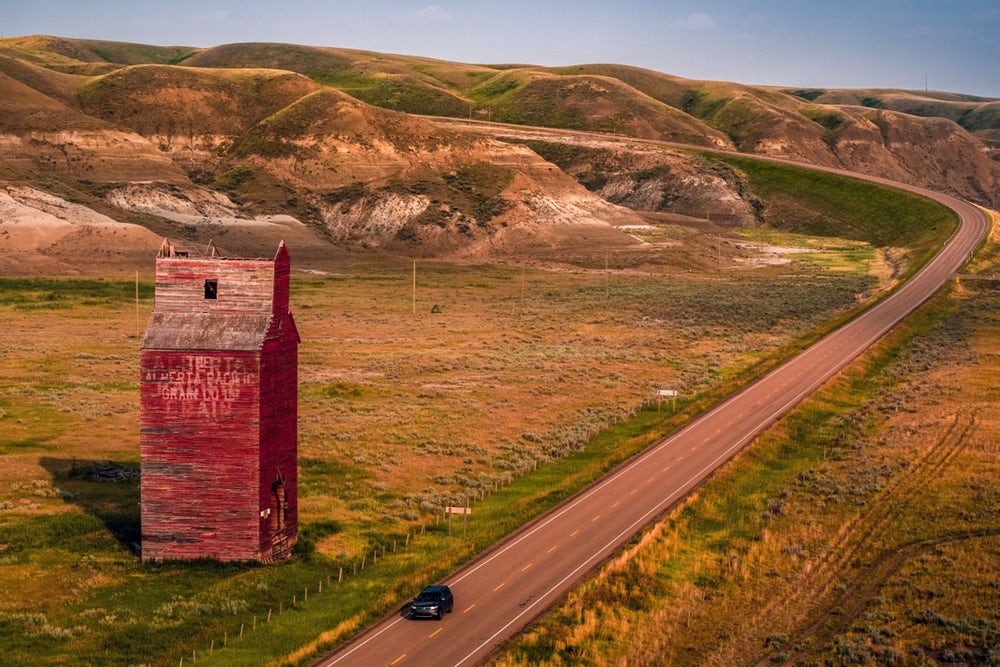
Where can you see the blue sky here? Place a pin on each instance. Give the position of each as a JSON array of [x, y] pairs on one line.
[[950, 45]]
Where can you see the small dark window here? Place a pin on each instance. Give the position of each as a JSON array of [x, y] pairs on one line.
[[211, 289]]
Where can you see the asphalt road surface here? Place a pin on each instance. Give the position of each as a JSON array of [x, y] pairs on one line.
[[514, 582]]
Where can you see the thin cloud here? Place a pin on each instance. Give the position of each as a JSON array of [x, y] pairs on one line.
[[428, 13], [696, 21]]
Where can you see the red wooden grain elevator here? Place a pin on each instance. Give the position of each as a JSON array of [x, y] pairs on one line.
[[219, 410]]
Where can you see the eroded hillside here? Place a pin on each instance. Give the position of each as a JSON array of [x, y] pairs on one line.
[[242, 142]]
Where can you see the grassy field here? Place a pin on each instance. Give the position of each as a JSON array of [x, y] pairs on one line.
[[864, 529], [410, 400]]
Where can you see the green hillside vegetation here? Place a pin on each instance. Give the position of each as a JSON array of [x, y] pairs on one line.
[[164, 100], [975, 114], [811, 202], [668, 89], [832, 119], [91, 57], [402, 83], [324, 113]]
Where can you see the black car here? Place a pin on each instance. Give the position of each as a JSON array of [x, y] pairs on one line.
[[432, 602]]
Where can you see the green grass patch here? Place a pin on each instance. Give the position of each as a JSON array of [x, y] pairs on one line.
[[812, 202], [59, 293]]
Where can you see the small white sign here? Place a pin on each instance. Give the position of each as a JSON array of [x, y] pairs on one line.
[[458, 510], [666, 392]]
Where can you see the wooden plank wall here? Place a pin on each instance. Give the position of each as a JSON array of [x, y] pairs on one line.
[[199, 446]]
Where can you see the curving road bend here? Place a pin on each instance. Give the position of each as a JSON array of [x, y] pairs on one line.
[[515, 581]]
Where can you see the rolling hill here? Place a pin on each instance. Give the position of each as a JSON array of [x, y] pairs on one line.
[[335, 143]]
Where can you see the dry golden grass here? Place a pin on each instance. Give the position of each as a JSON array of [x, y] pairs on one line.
[[865, 529], [406, 405]]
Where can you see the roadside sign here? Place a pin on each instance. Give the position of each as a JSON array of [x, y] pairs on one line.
[[666, 393], [458, 510]]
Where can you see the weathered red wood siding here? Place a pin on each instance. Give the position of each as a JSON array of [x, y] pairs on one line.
[[219, 411], [279, 419], [199, 447]]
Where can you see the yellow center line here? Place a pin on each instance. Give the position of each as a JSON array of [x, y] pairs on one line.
[[526, 567], [469, 608], [435, 633], [633, 492], [574, 533], [500, 586], [665, 469], [552, 548], [616, 504], [596, 517], [398, 660]]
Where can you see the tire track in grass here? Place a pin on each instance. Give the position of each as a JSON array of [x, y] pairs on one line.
[[854, 539]]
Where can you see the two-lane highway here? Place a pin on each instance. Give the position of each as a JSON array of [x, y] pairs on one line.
[[499, 593]]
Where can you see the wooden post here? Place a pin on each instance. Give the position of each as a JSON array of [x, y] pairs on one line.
[[137, 304]]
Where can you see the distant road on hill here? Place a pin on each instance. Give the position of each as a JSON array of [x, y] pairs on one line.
[[516, 580]]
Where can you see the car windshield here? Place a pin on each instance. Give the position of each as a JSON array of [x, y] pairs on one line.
[[429, 595]]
